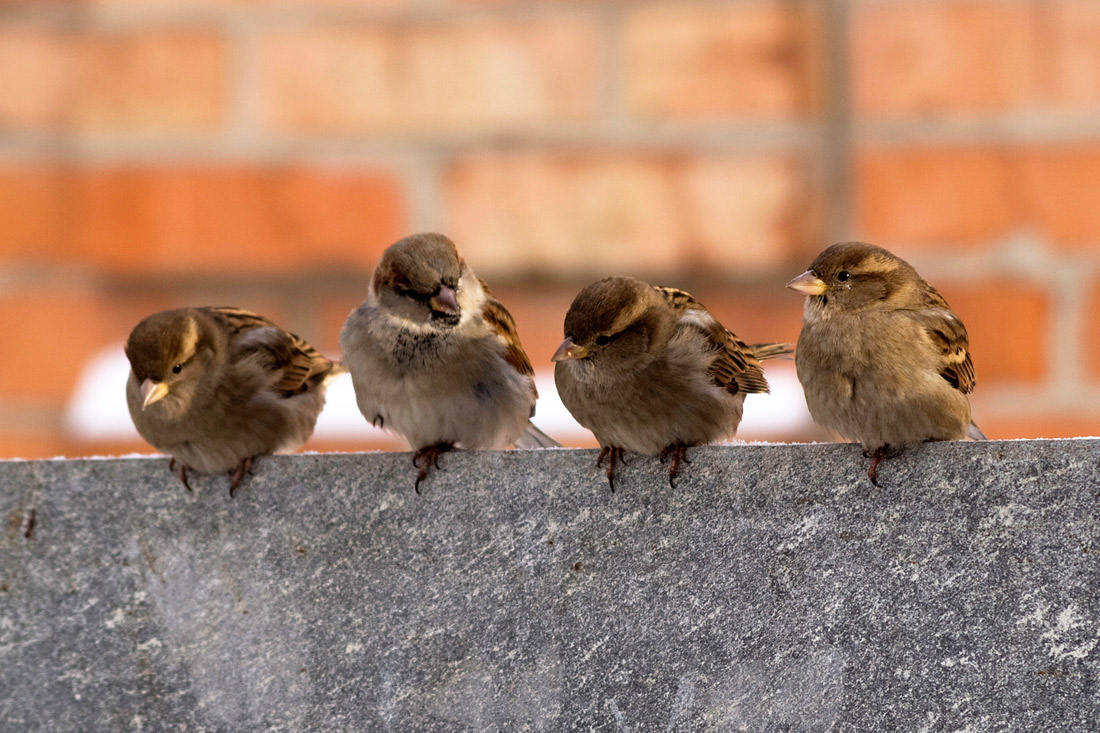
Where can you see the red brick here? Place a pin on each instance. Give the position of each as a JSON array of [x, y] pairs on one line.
[[596, 213], [36, 74], [712, 62], [932, 59], [152, 82], [202, 218], [1009, 324], [940, 196], [464, 76]]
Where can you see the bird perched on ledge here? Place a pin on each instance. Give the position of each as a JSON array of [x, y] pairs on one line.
[[435, 358], [215, 388], [882, 358], [650, 370]]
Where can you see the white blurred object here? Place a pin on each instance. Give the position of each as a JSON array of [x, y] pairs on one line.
[[97, 407]]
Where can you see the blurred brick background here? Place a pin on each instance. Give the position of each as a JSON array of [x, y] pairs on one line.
[[262, 153]]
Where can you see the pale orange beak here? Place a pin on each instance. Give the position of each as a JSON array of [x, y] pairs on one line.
[[152, 392], [569, 350], [808, 283]]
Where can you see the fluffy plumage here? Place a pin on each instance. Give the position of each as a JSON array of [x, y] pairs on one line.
[[881, 357], [435, 358], [216, 387], [650, 370]]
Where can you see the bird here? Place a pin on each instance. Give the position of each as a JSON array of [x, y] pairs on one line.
[[436, 359], [217, 387], [650, 370], [882, 358]]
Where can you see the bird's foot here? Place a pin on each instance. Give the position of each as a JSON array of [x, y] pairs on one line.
[[876, 458], [677, 452], [238, 475], [426, 459], [182, 472], [613, 455]]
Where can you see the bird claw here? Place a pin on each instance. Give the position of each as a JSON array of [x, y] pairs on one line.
[[182, 473], [613, 455], [677, 452], [237, 476], [876, 458], [430, 456]]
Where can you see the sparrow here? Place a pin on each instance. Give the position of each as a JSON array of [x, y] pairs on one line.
[[649, 369], [215, 388], [436, 359], [881, 357]]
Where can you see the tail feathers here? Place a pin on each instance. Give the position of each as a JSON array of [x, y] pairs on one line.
[[533, 439], [770, 351], [975, 433]]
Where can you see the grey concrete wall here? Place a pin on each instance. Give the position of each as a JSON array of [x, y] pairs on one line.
[[773, 589]]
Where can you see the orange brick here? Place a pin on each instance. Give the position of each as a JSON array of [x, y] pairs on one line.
[[36, 74], [939, 196], [204, 218], [47, 338], [1059, 185], [688, 62], [30, 443], [152, 82], [595, 214], [468, 75], [1008, 322], [1070, 53], [1051, 425], [32, 198], [1090, 333], [931, 59], [943, 196]]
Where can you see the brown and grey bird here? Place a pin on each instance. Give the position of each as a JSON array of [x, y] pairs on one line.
[[435, 358], [215, 388], [650, 370], [882, 358]]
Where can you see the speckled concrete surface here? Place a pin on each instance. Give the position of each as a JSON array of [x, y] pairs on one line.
[[773, 589]]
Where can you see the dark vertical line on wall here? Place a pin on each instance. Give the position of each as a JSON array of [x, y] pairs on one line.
[[836, 124]]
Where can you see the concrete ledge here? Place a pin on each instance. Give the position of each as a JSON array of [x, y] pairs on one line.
[[774, 589]]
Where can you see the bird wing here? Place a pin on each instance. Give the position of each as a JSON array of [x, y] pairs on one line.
[[736, 366], [948, 335], [294, 365], [502, 324]]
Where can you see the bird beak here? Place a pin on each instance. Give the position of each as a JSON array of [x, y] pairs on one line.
[[808, 283], [152, 392], [569, 350], [445, 301]]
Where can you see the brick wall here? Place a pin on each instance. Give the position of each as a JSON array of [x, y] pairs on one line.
[[262, 153]]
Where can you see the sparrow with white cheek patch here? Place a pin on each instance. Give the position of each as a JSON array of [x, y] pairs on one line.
[[650, 370], [435, 358], [881, 357], [215, 388]]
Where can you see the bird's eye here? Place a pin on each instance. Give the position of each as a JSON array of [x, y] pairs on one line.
[[177, 368], [843, 275], [603, 339]]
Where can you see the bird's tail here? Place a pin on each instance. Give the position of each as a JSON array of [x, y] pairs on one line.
[[975, 433], [533, 439], [770, 351]]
